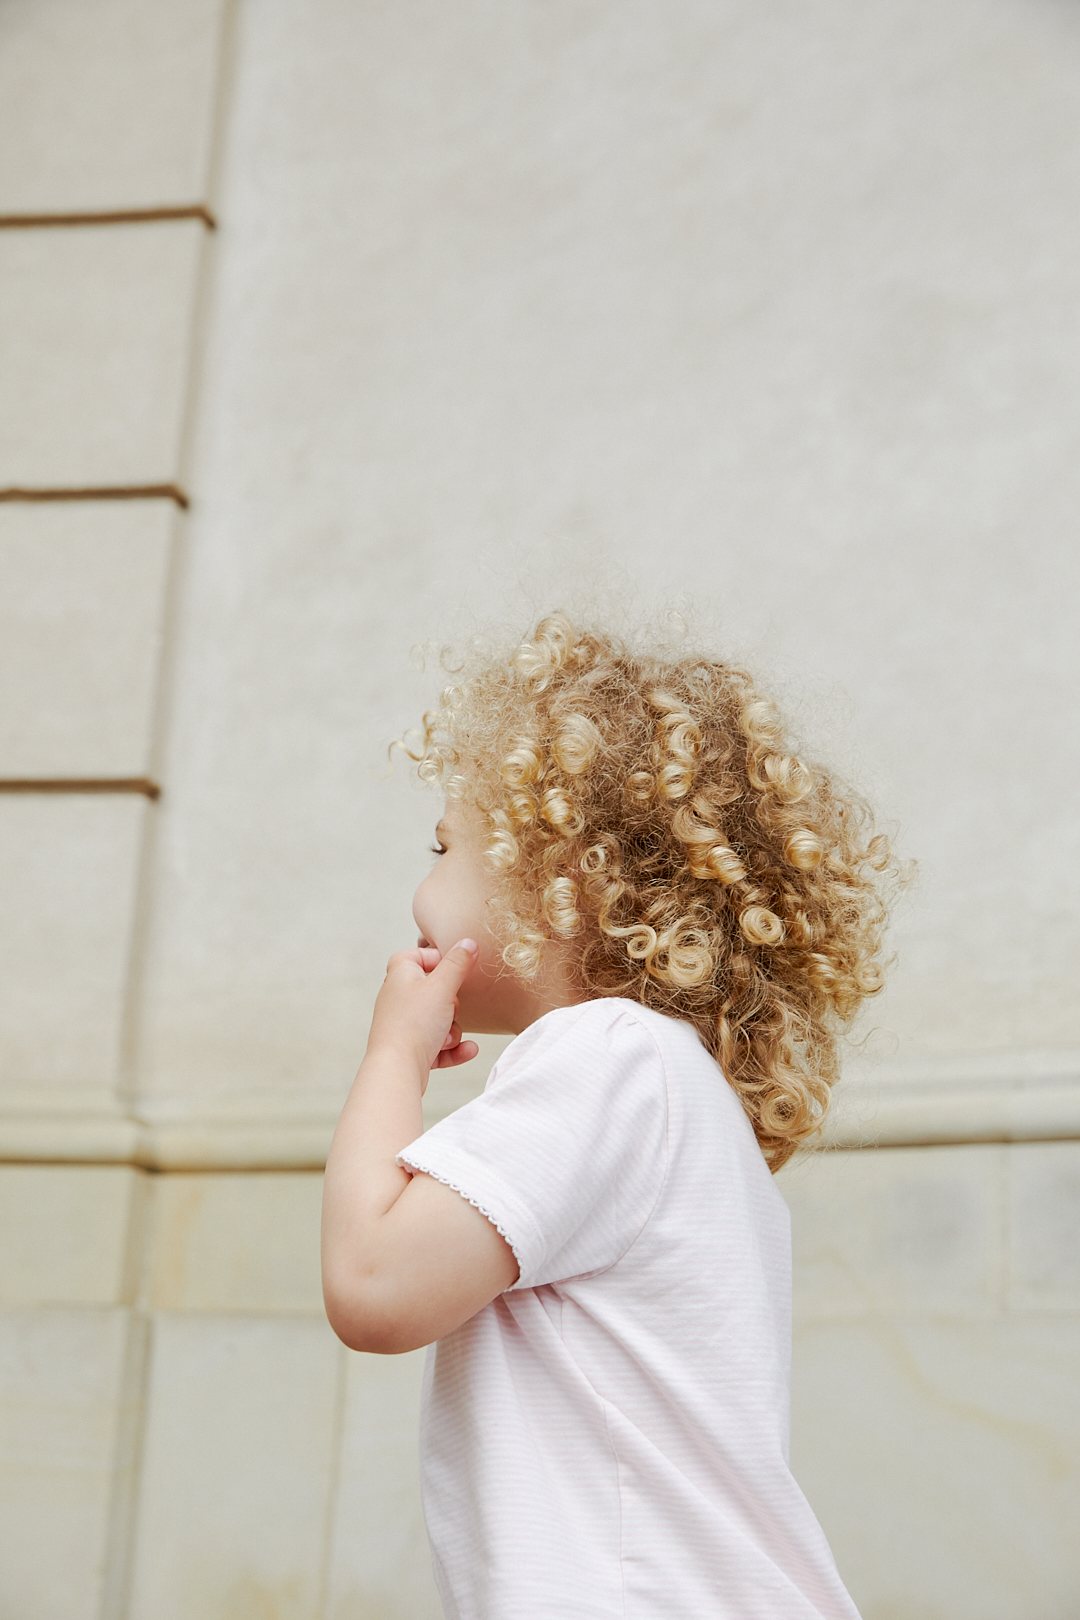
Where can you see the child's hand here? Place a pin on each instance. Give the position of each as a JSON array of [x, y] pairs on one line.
[[417, 1005]]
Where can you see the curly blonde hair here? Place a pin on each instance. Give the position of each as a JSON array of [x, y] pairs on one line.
[[650, 816]]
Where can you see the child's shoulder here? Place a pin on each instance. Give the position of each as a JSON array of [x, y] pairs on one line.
[[612, 1035], [588, 1019], [597, 1011], [559, 1024]]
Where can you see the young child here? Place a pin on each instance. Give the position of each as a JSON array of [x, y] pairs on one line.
[[674, 915]]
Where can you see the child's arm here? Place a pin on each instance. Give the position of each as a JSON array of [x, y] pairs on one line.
[[439, 1260], [405, 1259], [362, 1182], [392, 1250]]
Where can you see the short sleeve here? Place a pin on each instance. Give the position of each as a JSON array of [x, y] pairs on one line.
[[565, 1150]]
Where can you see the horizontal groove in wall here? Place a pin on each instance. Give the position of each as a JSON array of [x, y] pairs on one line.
[[110, 216], [101, 492], [188, 1145], [1027, 1112], [80, 784]]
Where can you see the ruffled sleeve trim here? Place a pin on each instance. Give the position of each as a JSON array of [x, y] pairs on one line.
[[416, 1163]]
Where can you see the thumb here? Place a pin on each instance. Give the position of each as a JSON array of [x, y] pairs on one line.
[[462, 956]]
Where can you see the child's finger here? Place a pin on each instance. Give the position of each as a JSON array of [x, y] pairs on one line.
[[450, 1057]]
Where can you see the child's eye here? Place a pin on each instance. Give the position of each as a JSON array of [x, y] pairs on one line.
[[436, 851]]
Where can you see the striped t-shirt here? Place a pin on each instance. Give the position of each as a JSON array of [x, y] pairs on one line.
[[608, 1439]]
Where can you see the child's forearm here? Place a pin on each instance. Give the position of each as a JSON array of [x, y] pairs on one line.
[[382, 1113]]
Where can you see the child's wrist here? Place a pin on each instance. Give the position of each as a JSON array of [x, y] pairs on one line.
[[398, 1054]]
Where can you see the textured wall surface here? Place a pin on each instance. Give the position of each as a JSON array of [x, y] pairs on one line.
[[328, 330]]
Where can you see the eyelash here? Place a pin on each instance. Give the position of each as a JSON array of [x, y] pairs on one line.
[[434, 851]]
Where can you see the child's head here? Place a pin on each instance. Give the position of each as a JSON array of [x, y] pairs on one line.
[[622, 823]]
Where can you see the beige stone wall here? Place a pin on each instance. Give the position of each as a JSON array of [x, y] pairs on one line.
[[360, 326]]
